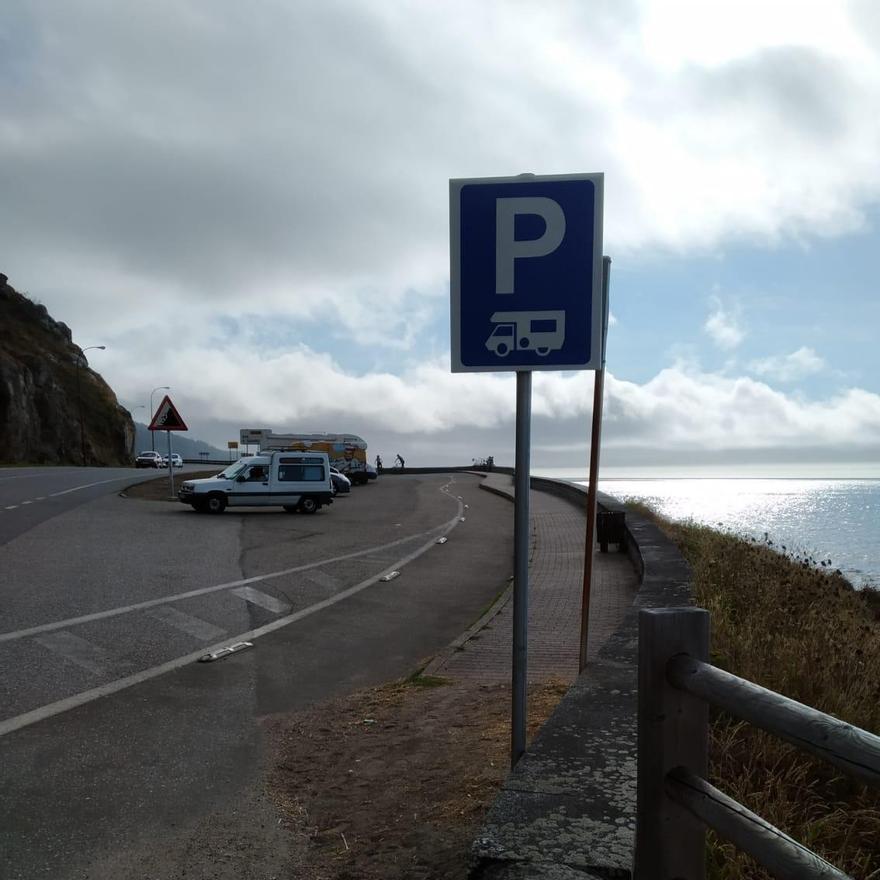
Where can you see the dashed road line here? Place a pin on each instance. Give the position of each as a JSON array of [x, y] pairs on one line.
[[187, 623], [322, 579], [202, 591], [264, 600], [35, 715], [88, 486], [79, 651]]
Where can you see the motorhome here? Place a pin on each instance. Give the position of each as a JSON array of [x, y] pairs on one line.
[[541, 332], [347, 452], [298, 482]]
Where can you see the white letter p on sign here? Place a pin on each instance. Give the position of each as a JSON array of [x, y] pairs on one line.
[[508, 249]]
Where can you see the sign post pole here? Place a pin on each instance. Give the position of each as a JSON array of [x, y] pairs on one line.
[[525, 295], [170, 463], [521, 565], [592, 488]]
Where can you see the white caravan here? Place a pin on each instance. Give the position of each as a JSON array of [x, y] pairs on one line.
[[292, 480], [541, 332]]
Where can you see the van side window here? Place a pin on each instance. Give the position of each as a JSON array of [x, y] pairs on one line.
[[299, 473]]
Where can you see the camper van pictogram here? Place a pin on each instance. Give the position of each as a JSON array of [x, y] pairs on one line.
[[541, 332]]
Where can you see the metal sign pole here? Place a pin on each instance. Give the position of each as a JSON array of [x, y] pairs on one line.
[[170, 463], [592, 489], [521, 565]]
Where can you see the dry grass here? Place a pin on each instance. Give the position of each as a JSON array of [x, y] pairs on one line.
[[392, 783], [794, 625]]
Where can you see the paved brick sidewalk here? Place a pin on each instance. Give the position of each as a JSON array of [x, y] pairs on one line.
[[555, 586]]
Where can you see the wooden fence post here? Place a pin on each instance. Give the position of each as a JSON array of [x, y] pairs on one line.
[[672, 732]]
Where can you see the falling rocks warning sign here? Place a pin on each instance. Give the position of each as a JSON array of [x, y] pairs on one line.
[[167, 418]]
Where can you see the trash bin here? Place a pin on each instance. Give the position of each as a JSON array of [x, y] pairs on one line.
[[611, 529]]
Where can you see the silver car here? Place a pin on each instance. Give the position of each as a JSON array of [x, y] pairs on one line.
[[341, 483]]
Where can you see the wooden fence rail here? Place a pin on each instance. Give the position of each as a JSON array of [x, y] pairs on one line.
[[675, 803]]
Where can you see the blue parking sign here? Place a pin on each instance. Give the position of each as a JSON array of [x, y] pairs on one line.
[[526, 272]]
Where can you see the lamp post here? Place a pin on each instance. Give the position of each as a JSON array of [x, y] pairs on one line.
[[134, 409], [153, 433], [82, 430]]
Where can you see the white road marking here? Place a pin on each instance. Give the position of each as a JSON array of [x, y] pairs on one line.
[[202, 591], [187, 623], [264, 600], [322, 579], [11, 507], [26, 502], [84, 654], [41, 473], [89, 486], [35, 715], [41, 498]]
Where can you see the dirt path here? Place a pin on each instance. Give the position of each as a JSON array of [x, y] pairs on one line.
[[393, 782]]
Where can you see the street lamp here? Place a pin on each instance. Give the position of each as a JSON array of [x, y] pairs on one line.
[[82, 430], [153, 433], [134, 409]]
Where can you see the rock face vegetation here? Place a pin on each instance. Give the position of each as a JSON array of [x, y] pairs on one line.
[[45, 386]]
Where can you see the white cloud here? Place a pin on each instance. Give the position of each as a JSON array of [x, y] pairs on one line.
[[789, 367], [300, 155], [679, 409], [723, 327]]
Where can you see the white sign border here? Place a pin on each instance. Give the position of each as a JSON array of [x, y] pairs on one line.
[[597, 316]]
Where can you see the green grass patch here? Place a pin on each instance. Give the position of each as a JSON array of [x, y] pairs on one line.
[[493, 600], [419, 680], [795, 625]]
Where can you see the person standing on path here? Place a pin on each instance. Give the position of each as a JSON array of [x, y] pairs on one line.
[[399, 461]]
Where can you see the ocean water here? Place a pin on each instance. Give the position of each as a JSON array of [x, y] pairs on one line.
[[827, 519]]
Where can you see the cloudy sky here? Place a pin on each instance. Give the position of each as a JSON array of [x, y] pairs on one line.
[[249, 203]]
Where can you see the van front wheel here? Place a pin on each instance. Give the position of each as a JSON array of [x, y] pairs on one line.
[[215, 504], [308, 505]]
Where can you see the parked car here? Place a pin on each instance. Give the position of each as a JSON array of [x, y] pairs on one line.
[[149, 459], [341, 483], [176, 460]]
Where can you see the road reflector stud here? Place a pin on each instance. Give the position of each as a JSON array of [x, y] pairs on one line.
[[225, 652], [441, 540], [466, 506], [390, 576], [462, 519]]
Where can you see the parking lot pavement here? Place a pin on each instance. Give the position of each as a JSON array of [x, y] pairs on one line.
[[94, 783]]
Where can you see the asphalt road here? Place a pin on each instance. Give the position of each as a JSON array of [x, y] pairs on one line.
[[30, 496], [122, 756]]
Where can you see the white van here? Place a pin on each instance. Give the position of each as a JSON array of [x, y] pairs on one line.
[[295, 481]]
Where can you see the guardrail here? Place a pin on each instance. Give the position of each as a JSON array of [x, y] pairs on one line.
[[674, 802]]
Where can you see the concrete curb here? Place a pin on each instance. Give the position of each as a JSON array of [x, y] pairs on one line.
[[434, 667]]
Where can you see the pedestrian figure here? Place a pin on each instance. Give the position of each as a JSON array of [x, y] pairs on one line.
[[399, 461], [378, 464]]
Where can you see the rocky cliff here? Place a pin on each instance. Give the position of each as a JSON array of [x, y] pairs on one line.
[[54, 409]]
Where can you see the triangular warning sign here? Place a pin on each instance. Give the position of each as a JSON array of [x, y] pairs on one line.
[[167, 417]]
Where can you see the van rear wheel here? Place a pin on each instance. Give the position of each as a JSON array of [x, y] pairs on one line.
[[308, 505]]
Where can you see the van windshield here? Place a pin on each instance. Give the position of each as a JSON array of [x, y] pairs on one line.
[[233, 470]]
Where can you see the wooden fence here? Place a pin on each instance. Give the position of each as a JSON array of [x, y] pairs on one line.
[[674, 802]]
